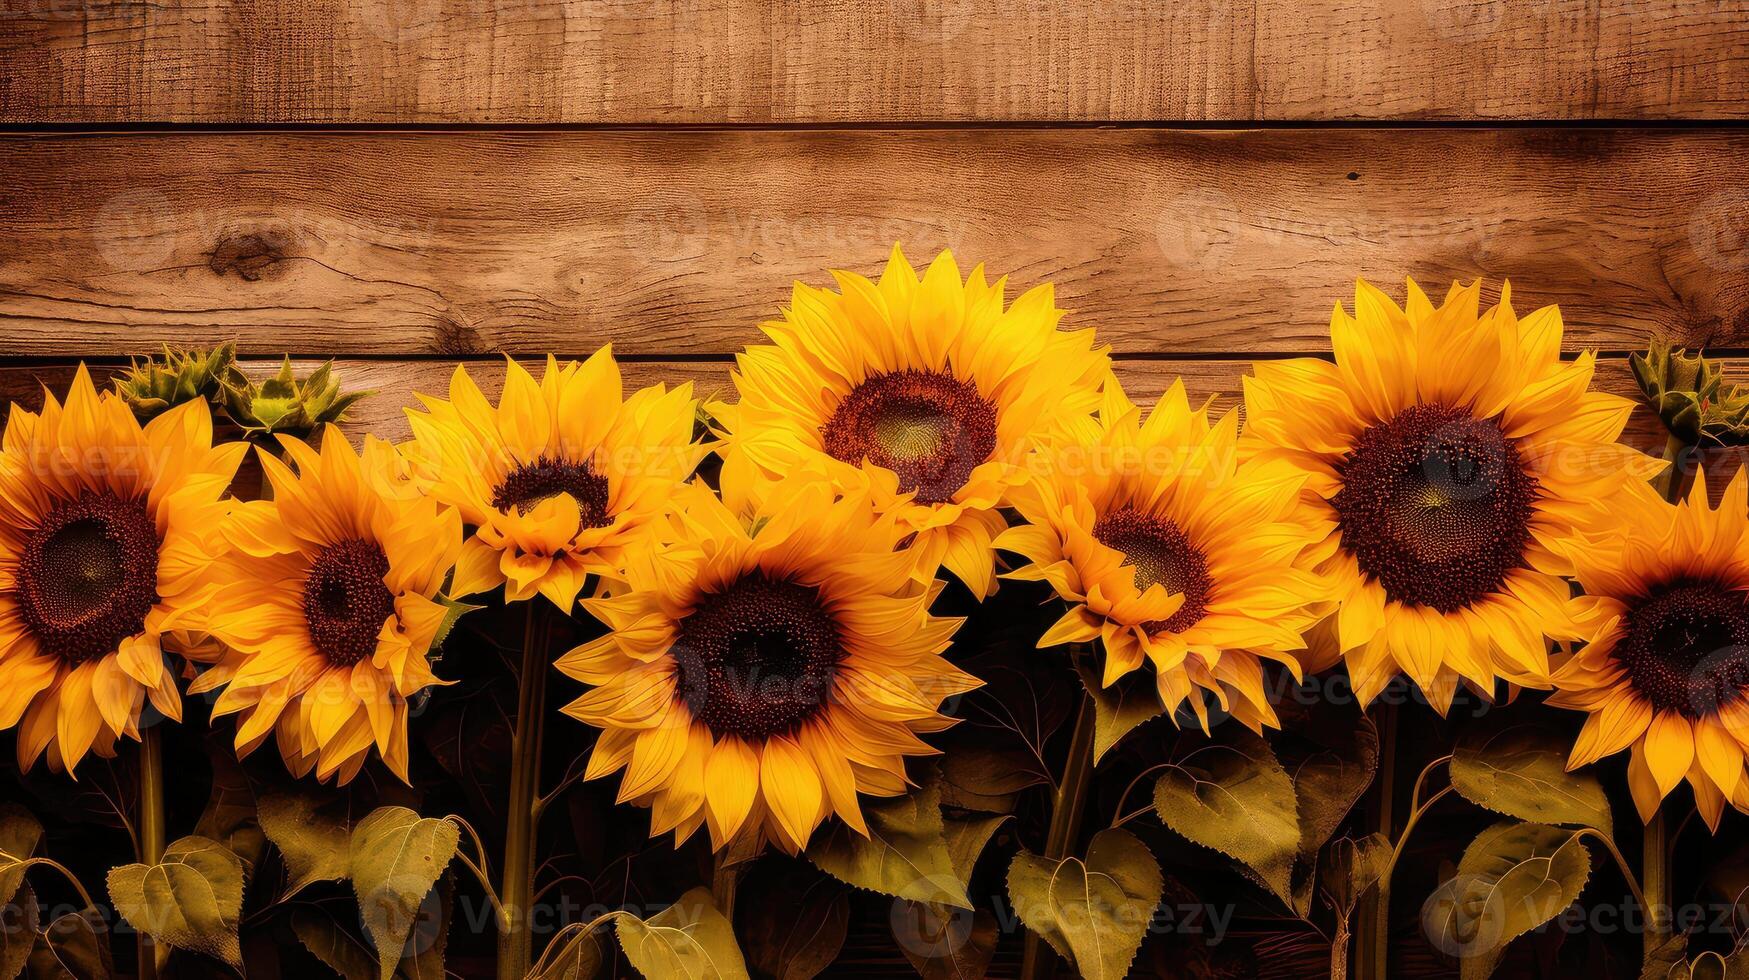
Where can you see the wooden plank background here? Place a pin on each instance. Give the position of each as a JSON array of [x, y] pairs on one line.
[[1170, 243], [409, 185], [807, 61]]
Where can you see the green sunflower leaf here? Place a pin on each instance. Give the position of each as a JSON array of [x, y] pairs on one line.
[[1234, 797], [793, 921], [18, 931], [1118, 709], [230, 816], [1513, 877], [20, 832], [1521, 771], [945, 943], [904, 855], [192, 899], [73, 947], [396, 859], [1094, 913], [579, 958], [311, 830], [338, 949], [689, 939], [1350, 868]]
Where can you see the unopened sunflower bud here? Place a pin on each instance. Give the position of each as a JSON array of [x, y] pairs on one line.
[[1689, 394], [285, 403], [159, 383]]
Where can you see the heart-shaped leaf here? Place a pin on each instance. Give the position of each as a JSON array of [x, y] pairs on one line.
[[967, 836], [339, 949], [73, 947], [1094, 913], [904, 855], [18, 926], [1350, 868], [311, 828], [981, 778], [1233, 796], [1521, 771], [945, 943], [20, 832], [1118, 709], [1513, 877], [794, 921], [1331, 755], [396, 858], [578, 957], [689, 940], [230, 816], [193, 899]]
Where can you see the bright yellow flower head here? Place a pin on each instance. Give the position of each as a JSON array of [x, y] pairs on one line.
[[106, 537], [931, 390], [765, 668], [331, 608], [1665, 669], [558, 478], [1165, 547], [1450, 449]]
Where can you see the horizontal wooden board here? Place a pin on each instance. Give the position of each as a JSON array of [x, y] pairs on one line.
[[1170, 243], [394, 383], [759, 61]]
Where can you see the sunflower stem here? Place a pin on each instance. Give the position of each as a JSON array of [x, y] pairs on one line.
[[1376, 910], [1066, 812], [1669, 483], [152, 957], [725, 880], [1654, 885], [516, 943], [1339, 949]]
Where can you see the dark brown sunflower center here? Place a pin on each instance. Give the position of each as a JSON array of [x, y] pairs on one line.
[[758, 658], [546, 478], [929, 427], [88, 575], [1436, 506], [1686, 647], [1163, 555], [346, 601]]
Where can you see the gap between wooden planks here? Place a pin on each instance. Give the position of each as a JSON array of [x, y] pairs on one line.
[[1171, 243], [738, 61]]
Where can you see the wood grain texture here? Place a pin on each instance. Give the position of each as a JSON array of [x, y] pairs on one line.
[[1171, 243], [763, 61]]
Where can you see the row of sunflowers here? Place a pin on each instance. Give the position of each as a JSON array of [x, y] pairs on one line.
[[758, 596]]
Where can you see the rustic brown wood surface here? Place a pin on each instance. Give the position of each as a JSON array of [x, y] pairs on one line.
[[736, 61], [1173, 243], [413, 184]]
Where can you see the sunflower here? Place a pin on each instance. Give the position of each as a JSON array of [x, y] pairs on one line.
[[930, 390], [105, 545], [767, 669], [557, 479], [331, 608], [1665, 668], [1165, 548], [1449, 450]]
